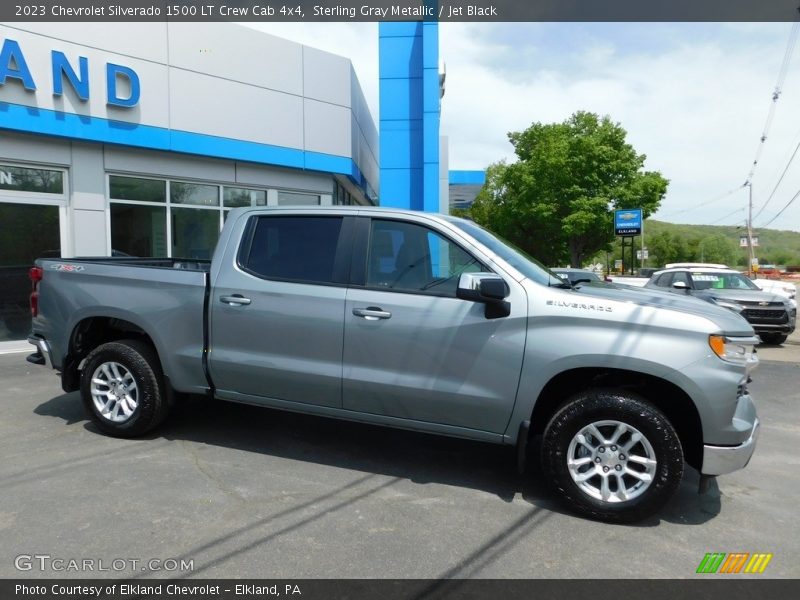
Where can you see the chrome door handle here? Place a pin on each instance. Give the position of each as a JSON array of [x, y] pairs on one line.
[[235, 300], [372, 313]]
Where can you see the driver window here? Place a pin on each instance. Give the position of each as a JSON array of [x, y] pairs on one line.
[[665, 280], [411, 258]]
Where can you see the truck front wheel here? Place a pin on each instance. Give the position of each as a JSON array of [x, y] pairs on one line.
[[612, 456], [122, 388]]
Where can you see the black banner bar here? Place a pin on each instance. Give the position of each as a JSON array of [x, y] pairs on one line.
[[733, 587], [400, 10]]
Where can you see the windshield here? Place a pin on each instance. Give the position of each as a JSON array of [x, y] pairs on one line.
[[521, 261], [704, 280], [574, 276]]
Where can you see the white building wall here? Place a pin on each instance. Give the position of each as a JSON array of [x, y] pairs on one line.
[[214, 79]]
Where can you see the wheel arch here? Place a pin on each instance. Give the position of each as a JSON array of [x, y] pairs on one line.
[[669, 398], [89, 333]]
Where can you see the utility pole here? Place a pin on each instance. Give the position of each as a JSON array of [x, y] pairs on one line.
[[643, 246], [752, 253]]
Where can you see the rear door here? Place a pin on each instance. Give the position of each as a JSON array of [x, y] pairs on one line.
[[276, 311], [413, 350]]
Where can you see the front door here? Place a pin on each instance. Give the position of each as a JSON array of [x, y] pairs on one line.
[[413, 350]]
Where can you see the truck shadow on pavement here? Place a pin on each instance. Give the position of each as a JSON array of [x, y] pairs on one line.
[[417, 457]]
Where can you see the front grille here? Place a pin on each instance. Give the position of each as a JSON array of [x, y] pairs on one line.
[[754, 314], [758, 303]]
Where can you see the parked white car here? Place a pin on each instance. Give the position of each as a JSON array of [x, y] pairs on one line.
[[632, 281], [781, 288]]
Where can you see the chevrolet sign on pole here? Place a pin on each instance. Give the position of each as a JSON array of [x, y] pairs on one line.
[[628, 222]]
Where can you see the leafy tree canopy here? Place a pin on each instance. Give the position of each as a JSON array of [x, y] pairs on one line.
[[557, 200], [673, 242]]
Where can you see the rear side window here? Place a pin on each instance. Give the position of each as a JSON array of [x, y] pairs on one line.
[[301, 249], [664, 280]]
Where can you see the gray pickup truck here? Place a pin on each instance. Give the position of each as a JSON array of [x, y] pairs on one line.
[[418, 321]]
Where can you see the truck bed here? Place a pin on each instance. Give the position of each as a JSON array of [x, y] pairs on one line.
[[163, 296]]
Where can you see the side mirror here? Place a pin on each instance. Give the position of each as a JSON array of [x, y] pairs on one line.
[[681, 285], [488, 289]]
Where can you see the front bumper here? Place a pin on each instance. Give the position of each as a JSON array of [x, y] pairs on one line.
[[787, 328], [719, 460]]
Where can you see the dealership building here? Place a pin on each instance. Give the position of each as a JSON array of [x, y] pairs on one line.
[[138, 138]]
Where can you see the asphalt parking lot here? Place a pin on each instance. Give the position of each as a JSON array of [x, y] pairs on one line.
[[249, 492]]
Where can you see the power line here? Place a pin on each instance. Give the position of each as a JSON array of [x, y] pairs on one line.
[[706, 203], [787, 57], [779, 180], [788, 204], [738, 210], [795, 137], [776, 94]]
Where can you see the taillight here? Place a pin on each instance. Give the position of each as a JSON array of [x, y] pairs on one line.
[[35, 275]]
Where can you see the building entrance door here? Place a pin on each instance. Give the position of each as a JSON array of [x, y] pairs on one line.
[[27, 232], [30, 227]]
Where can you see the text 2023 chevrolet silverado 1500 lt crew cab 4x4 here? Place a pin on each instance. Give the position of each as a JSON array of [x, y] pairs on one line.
[[418, 321]]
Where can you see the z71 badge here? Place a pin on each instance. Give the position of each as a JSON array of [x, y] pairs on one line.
[[66, 268]]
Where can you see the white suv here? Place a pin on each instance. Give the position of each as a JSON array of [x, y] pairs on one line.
[[781, 288]]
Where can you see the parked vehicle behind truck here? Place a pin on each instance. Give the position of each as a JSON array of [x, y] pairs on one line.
[[772, 316], [418, 321]]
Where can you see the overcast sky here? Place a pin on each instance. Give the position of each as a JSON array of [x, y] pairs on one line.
[[693, 97]]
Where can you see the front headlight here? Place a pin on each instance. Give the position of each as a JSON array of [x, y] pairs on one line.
[[737, 308], [739, 350]]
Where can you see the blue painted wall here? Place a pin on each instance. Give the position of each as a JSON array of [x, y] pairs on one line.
[[409, 115], [466, 177]]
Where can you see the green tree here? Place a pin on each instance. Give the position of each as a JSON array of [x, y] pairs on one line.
[[663, 248], [556, 201], [716, 249]]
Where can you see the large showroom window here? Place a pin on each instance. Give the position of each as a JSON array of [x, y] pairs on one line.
[[32, 204], [195, 229], [193, 193], [233, 197], [138, 230], [153, 217], [136, 188], [194, 232], [294, 199]]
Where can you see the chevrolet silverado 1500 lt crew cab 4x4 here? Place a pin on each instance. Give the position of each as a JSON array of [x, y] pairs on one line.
[[411, 320]]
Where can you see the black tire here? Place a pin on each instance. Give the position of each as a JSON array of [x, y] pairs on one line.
[[141, 361], [773, 338], [598, 405]]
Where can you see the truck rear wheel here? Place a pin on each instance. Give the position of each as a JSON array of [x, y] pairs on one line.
[[612, 456], [122, 388]]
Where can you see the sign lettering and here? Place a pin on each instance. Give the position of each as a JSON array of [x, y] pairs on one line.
[[123, 88], [628, 222], [743, 241]]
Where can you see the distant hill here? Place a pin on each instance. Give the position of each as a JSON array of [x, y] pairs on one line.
[[671, 242]]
